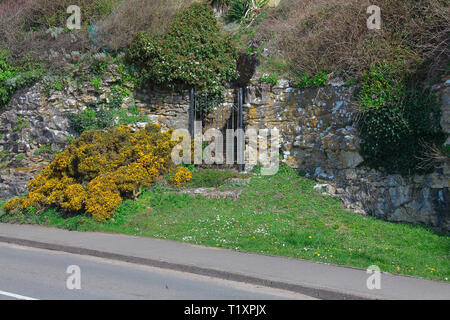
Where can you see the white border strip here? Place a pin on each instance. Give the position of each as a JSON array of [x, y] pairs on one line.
[[16, 296]]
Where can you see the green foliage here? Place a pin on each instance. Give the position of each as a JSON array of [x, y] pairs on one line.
[[277, 64], [212, 178], [396, 123], [285, 169], [257, 169], [381, 86], [128, 73], [269, 78], [99, 65], [19, 157], [103, 115], [90, 119], [205, 103], [58, 86], [350, 82], [103, 118], [21, 124], [52, 82], [193, 53], [104, 8], [244, 11], [304, 80], [238, 10], [13, 77], [118, 93], [109, 111], [4, 154], [445, 150], [44, 149], [128, 116], [190, 167], [96, 82]]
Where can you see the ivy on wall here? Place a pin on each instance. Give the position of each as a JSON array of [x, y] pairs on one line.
[[13, 77], [193, 53], [398, 121]]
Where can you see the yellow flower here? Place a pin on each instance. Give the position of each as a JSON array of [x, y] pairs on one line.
[[181, 177], [99, 169]]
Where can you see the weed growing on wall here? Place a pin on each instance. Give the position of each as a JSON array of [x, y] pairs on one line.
[[14, 77], [271, 78], [304, 80], [109, 111]]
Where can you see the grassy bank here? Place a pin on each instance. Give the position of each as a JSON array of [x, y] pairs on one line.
[[277, 215]]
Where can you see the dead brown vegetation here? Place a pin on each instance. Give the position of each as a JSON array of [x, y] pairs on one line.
[[118, 29], [314, 35], [25, 25]]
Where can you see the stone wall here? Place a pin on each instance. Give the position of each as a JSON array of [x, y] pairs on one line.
[[35, 125], [317, 129], [319, 137], [30, 133], [315, 124]]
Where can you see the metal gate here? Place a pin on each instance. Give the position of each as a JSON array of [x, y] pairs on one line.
[[209, 111]]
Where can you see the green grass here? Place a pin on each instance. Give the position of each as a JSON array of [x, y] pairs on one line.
[[213, 178], [2, 212], [278, 215]]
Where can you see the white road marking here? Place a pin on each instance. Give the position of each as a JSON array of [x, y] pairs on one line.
[[16, 296]]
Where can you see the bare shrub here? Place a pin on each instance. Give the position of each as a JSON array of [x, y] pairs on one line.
[[25, 24], [333, 35], [435, 157], [118, 29]]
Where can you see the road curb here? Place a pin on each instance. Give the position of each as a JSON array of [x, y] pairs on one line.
[[316, 292]]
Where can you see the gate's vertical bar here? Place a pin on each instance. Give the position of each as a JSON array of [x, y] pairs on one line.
[[224, 124], [234, 130], [205, 105], [191, 112], [240, 126]]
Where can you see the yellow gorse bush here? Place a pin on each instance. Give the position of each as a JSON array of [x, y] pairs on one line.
[[181, 177], [100, 169]]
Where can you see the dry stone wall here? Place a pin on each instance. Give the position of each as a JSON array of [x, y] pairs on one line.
[[318, 137], [35, 125], [30, 133]]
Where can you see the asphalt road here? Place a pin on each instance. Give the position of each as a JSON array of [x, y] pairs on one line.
[[27, 273]]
